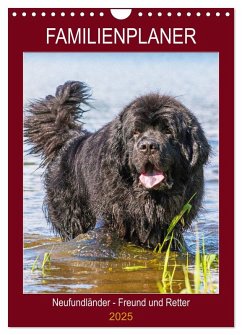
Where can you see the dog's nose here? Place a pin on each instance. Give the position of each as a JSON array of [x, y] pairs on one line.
[[148, 146]]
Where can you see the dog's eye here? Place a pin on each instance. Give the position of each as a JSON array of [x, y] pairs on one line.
[[167, 131], [136, 132]]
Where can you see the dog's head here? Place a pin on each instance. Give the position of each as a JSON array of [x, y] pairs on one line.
[[160, 141]]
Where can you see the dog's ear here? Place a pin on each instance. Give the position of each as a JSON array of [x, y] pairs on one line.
[[194, 145]]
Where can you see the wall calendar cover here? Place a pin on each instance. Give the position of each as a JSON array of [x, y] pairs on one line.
[[121, 167]]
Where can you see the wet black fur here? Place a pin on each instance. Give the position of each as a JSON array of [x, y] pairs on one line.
[[95, 176]]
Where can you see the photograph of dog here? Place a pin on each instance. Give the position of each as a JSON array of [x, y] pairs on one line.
[[133, 175]]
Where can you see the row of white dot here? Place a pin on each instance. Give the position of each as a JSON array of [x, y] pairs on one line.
[[54, 14], [139, 14], [186, 14]]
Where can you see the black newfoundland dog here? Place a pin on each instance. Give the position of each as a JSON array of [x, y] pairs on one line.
[[134, 174]]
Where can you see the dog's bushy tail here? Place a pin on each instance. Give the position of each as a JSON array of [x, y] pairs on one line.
[[51, 122]]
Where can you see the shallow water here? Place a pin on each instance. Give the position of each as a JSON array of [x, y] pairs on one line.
[[89, 264]]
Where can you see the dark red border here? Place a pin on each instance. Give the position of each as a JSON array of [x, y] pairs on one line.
[[214, 34]]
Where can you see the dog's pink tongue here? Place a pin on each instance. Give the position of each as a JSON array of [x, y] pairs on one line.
[[151, 178]]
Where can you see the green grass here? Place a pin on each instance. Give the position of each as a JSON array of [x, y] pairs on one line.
[[134, 268], [46, 262], [201, 274], [166, 283], [178, 218], [198, 276]]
